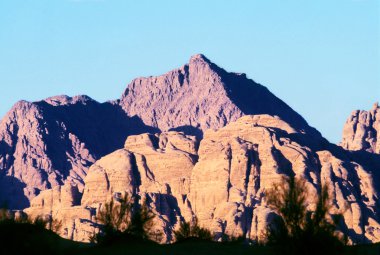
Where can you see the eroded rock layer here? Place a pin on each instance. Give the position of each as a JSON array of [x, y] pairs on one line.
[[47, 143], [223, 181]]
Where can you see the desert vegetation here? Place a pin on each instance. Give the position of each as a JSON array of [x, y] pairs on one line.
[[126, 225], [192, 229], [297, 230], [123, 218]]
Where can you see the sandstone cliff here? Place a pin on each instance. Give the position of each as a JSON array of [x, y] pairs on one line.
[[362, 130], [197, 141], [47, 143], [223, 182]]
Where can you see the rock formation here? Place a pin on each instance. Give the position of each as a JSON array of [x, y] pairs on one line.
[[195, 142], [47, 143], [44, 144], [362, 130], [156, 167], [239, 162], [200, 95], [223, 183]]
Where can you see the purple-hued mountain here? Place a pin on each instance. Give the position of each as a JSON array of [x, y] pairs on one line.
[[200, 95], [44, 144]]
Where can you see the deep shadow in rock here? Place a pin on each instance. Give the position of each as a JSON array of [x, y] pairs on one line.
[[12, 193], [102, 127], [189, 130], [253, 98]]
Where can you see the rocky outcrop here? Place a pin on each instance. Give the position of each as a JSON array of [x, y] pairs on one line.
[[64, 157], [61, 207], [239, 162], [157, 168], [47, 143], [223, 182], [362, 130]]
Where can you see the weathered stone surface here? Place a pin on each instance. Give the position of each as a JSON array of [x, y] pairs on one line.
[[223, 183], [62, 204], [221, 180], [43, 144], [156, 167], [354, 195], [46, 143], [240, 161], [160, 160], [201, 95], [362, 130]]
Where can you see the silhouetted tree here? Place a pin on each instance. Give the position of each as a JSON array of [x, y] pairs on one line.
[[299, 231]]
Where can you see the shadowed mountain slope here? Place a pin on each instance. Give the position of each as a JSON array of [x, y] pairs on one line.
[[44, 144], [200, 95]]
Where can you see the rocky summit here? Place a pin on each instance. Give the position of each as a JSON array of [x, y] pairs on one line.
[[200, 95], [195, 142], [47, 143]]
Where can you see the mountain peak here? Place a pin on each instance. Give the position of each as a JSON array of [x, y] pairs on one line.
[[199, 57], [200, 96], [202, 64]]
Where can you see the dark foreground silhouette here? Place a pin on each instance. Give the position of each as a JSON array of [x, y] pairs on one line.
[[26, 238]]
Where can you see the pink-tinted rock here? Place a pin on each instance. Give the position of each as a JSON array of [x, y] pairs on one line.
[[44, 144], [362, 131], [224, 182], [201, 95]]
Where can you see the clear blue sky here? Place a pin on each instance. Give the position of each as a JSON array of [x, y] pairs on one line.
[[320, 57]]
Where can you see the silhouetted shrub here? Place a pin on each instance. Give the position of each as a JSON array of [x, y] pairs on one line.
[[141, 224], [299, 231], [54, 225], [124, 219], [189, 230]]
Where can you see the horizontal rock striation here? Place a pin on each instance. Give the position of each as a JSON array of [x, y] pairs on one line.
[[47, 143], [195, 142], [223, 181]]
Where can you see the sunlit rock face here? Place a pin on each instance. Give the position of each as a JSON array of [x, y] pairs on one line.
[[157, 168], [47, 143], [362, 130], [197, 141], [237, 163], [200, 95], [222, 180]]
